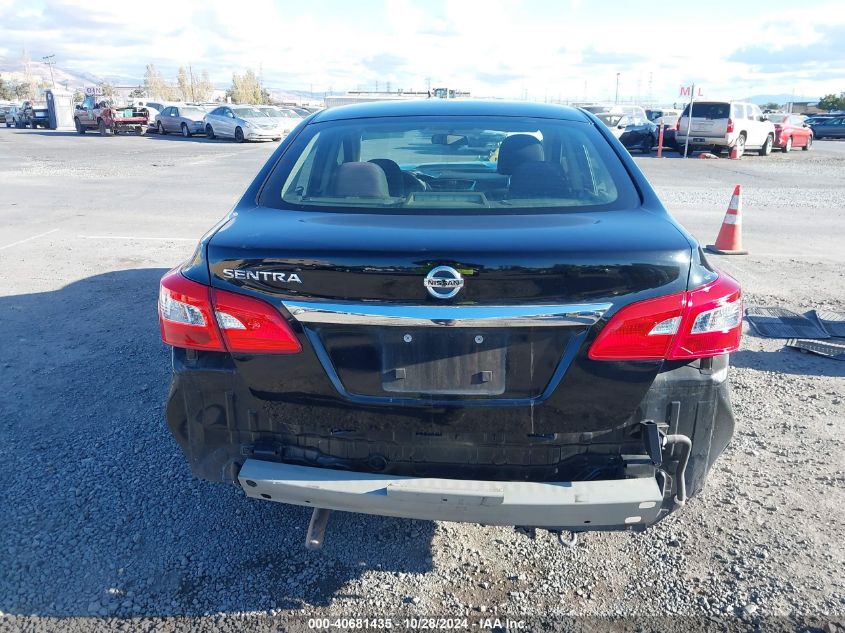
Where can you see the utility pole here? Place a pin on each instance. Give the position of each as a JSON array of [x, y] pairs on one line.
[[191, 73], [49, 60], [616, 99]]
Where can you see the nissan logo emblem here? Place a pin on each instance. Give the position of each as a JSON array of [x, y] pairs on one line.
[[443, 282]]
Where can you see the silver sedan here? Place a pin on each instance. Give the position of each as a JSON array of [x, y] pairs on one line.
[[242, 123], [187, 120]]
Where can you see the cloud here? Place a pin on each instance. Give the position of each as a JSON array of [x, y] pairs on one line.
[[502, 49], [827, 51], [385, 63], [592, 57]]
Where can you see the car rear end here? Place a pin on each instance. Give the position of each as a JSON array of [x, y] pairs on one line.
[[474, 347], [130, 117], [710, 126]]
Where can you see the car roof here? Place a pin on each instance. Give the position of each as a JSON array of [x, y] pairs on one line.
[[449, 107]]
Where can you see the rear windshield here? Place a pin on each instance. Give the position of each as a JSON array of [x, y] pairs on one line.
[[709, 110], [414, 164]]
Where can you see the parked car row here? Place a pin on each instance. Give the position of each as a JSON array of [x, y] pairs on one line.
[[716, 127], [103, 115]]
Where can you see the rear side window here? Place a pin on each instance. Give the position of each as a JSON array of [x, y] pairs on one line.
[[442, 164]]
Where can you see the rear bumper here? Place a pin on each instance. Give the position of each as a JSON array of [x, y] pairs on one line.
[[700, 140], [580, 505]]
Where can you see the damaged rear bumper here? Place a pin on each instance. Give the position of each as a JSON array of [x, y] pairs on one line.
[[577, 505]]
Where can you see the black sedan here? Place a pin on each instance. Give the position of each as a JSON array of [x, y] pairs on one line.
[[396, 321], [635, 133]]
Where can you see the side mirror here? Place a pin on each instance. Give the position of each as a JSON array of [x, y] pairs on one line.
[[620, 126]]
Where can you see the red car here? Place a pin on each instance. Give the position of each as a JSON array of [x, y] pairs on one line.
[[791, 131]]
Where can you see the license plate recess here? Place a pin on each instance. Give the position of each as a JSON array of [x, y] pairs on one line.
[[447, 361]]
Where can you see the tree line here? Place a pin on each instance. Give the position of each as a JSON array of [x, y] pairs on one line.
[[21, 90], [186, 87], [245, 88], [832, 102]]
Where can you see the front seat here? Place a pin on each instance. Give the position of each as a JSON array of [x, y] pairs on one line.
[[516, 150], [359, 180]]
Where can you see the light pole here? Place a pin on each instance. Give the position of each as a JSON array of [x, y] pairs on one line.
[[616, 99], [48, 59]]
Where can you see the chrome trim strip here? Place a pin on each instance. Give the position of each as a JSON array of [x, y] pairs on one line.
[[447, 316]]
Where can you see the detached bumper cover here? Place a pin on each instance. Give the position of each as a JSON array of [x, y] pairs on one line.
[[579, 505]]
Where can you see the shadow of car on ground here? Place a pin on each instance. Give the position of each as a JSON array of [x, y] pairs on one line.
[[100, 512]]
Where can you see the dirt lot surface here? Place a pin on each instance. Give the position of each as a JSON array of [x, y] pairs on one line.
[[103, 528]]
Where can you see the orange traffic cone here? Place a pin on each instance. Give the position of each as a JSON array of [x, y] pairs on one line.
[[735, 153], [729, 240]]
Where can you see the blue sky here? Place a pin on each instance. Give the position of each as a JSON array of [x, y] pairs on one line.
[[569, 49]]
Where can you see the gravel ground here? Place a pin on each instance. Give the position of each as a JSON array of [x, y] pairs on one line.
[[103, 528]]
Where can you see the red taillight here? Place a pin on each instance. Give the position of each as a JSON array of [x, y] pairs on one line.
[[185, 315], [703, 322], [730, 125], [194, 316], [630, 334], [252, 326]]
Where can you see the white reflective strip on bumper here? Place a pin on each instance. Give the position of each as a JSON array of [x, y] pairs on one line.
[[580, 505]]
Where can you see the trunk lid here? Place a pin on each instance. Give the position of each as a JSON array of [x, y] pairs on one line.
[[534, 285]]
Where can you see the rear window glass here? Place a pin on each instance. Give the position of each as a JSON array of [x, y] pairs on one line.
[[709, 110], [418, 164]]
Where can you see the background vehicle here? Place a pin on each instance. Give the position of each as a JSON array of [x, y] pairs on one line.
[[634, 132], [657, 116], [299, 111], [630, 110], [33, 115], [153, 108], [12, 116], [382, 313], [829, 128], [186, 120], [242, 123], [285, 118], [106, 117], [720, 125], [791, 131]]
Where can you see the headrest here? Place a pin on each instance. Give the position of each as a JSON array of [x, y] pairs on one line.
[[395, 181], [516, 150], [360, 180]]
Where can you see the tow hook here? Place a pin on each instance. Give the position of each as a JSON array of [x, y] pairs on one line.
[[686, 445], [317, 529], [656, 441]]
